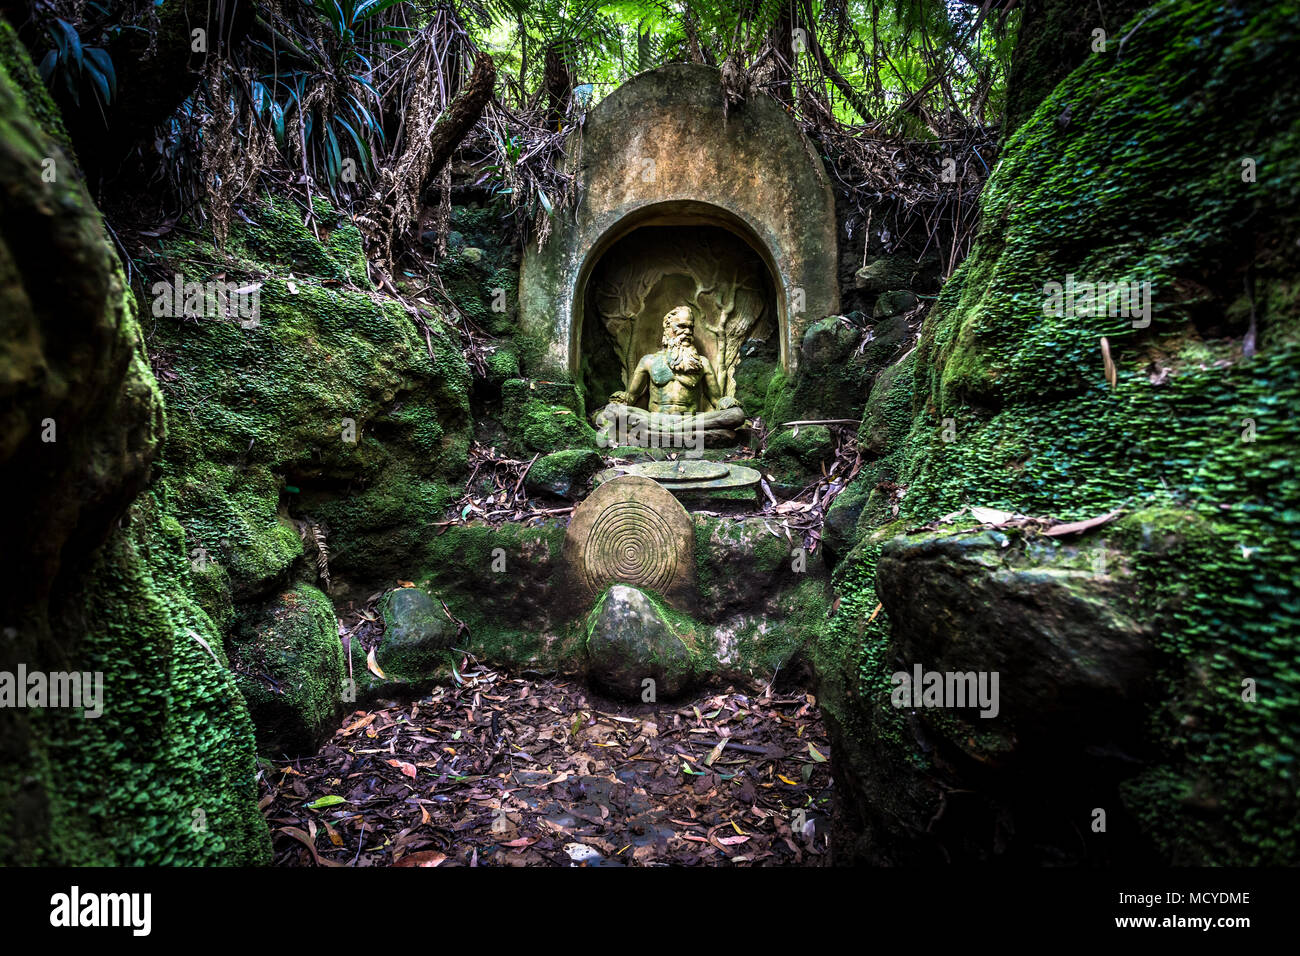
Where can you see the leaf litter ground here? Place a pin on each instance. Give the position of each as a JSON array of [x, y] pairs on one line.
[[509, 771]]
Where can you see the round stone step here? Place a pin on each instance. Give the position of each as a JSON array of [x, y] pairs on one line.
[[668, 472]]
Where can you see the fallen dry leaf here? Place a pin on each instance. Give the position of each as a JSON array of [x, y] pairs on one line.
[[423, 858], [372, 665]]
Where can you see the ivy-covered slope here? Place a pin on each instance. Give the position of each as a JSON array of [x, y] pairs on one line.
[[165, 774], [1138, 168]]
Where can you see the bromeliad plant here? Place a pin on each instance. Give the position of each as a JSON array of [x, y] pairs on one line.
[[324, 109], [75, 68]]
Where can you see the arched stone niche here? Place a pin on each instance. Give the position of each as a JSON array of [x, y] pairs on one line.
[[658, 154]]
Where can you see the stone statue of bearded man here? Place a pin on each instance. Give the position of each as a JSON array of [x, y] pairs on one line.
[[682, 384]]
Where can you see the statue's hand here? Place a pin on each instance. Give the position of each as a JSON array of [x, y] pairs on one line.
[[620, 398], [728, 401]]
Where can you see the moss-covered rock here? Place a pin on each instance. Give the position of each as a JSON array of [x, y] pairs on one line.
[[838, 362], [291, 671], [633, 649], [417, 635], [1007, 406], [1061, 623], [504, 583], [763, 596], [563, 474], [334, 408], [794, 456], [481, 270], [890, 304], [99, 578], [885, 272], [545, 416]]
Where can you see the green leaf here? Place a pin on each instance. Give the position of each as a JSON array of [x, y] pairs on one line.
[[47, 65], [363, 152], [333, 158], [100, 60], [100, 82], [277, 123], [320, 803]]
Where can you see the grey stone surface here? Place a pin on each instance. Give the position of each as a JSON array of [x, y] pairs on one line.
[[629, 642], [416, 634]]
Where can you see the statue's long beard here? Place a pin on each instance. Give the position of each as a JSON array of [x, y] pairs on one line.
[[682, 356]]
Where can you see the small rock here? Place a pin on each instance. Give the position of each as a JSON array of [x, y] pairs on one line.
[[563, 474], [417, 634], [828, 341], [893, 303], [884, 273], [629, 641]]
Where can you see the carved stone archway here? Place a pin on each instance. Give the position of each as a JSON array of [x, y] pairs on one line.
[[660, 151]]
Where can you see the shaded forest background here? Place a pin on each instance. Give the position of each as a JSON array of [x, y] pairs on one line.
[[179, 111]]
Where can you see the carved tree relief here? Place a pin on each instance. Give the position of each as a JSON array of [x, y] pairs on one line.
[[654, 270]]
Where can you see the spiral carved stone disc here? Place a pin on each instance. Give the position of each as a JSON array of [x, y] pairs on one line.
[[631, 530]]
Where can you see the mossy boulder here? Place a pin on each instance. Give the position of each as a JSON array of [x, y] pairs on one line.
[[504, 583], [1006, 405], [334, 409], [98, 574], [794, 456], [563, 474], [417, 635], [897, 302], [885, 272], [544, 416], [763, 595], [1061, 623], [291, 671], [838, 362], [629, 642]]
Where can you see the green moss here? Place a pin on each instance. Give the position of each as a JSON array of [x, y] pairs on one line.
[[290, 669], [794, 456], [564, 473], [334, 393], [503, 365], [778, 406], [20, 70], [167, 775], [1009, 408], [478, 570], [480, 271], [545, 416], [279, 235]]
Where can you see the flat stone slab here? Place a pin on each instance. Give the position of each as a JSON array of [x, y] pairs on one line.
[[631, 530], [686, 470], [710, 476]]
